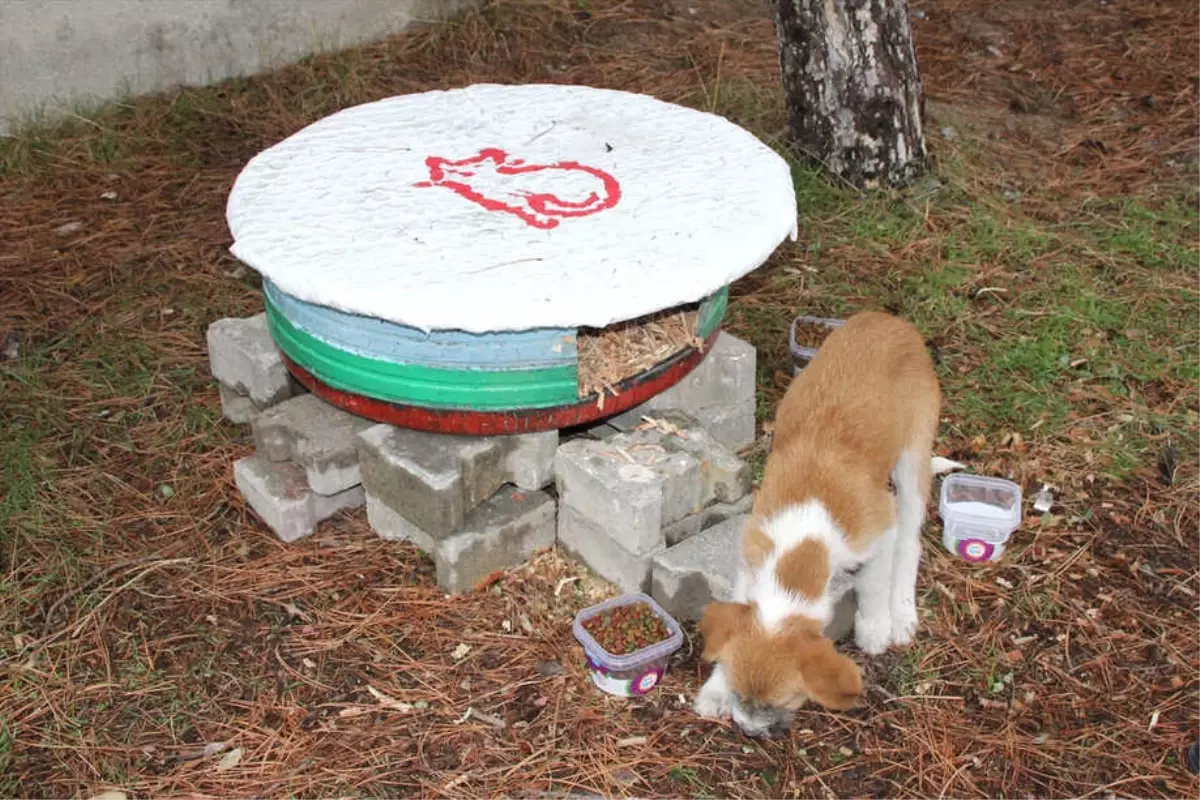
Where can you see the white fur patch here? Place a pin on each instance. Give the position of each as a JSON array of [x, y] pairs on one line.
[[809, 520]]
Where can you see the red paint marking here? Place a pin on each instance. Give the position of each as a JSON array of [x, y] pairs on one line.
[[499, 183], [633, 391]]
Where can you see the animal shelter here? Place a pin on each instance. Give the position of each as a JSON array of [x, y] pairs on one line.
[[453, 278]]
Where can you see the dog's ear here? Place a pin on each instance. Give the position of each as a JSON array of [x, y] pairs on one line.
[[829, 677], [719, 624]]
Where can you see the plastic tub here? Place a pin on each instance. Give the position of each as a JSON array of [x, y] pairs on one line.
[[802, 354], [637, 673], [978, 515]]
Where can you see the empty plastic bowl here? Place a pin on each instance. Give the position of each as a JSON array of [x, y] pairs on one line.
[[802, 354], [978, 515], [638, 672]]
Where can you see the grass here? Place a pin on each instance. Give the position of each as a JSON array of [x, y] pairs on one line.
[[145, 613]]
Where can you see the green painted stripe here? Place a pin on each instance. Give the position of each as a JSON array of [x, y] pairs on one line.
[[712, 311], [429, 387]]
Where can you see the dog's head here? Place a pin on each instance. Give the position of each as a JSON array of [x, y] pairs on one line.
[[773, 672]]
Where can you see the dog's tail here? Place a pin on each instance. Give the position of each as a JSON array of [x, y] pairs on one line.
[[940, 465]]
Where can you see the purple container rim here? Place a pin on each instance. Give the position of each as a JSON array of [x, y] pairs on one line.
[[808, 352], [649, 653]]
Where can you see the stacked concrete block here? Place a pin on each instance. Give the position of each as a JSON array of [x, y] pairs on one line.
[[315, 435], [279, 494], [719, 393], [700, 570], [305, 468], [248, 367], [473, 503], [625, 499]]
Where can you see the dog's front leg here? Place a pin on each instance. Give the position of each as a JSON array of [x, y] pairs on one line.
[[715, 699], [873, 585]]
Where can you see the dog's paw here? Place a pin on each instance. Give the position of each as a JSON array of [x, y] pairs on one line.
[[904, 623], [713, 703], [872, 634]]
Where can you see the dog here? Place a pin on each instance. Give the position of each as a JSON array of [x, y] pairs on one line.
[[840, 508]]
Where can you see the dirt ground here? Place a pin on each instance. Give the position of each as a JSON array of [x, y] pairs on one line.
[[158, 641]]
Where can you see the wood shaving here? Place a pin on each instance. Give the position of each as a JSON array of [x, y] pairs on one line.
[[613, 354]]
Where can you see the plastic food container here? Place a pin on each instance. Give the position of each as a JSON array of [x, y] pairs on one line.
[[637, 673], [802, 354], [978, 515]]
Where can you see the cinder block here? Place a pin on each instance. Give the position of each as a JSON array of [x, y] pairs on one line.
[[278, 493], [725, 477], [243, 356], [842, 624], [503, 531], [629, 487], [389, 524], [530, 461], [603, 432], [719, 393], [707, 517], [235, 406], [317, 436], [733, 427], [724, 379], [435, 479], [594, 547], [694, 573]]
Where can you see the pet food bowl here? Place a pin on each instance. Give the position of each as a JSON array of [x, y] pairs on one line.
[[979, 514], [637, 673], [802, 354]]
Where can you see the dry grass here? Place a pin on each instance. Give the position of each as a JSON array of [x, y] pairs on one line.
[[156, 639]]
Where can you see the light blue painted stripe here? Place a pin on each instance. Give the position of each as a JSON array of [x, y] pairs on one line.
[[387, 341]]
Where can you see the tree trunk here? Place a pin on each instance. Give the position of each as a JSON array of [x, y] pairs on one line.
[[853, 89]]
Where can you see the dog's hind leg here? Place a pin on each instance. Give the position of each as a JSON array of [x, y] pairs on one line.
[[912, 477]]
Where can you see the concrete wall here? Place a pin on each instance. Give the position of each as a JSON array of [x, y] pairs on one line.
[[55, 53]]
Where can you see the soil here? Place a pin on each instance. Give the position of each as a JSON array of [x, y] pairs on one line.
[[627, 629]]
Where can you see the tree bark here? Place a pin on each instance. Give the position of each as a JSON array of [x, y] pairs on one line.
[[853, 89]]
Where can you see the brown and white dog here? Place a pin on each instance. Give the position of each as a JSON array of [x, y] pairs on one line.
[[858, 421]]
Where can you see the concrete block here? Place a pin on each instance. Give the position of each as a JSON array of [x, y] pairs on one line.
[[278, 493], [243, 356], [702, 569], [628, 486], [603, 432], [436, 479], [390, 524], [595, 548], [842, 624], [724, 379], [720, 393], [725, 478], [530, 461], [235, 406], [707, 517], [503, 531], [733, 427], [317, 436]]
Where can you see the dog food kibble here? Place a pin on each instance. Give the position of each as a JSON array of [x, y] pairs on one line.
[[811, 334], [627, 629]]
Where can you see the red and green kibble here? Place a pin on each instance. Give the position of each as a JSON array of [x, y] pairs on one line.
[[627, 629]]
